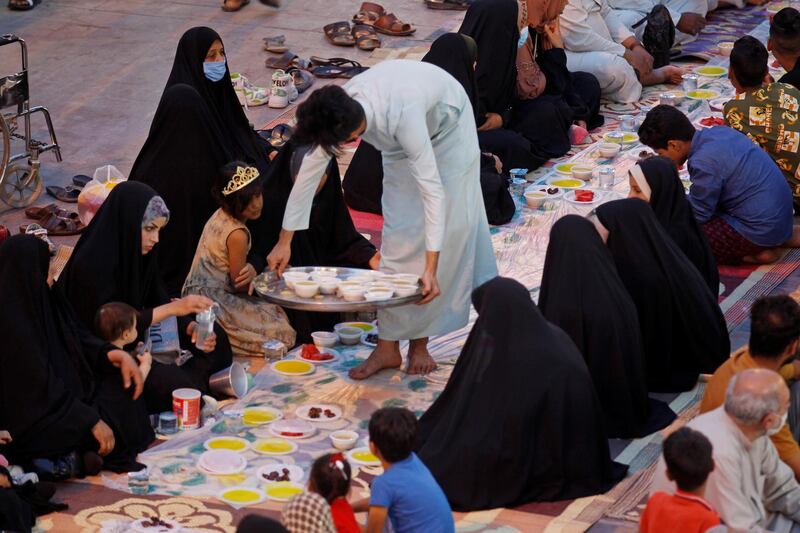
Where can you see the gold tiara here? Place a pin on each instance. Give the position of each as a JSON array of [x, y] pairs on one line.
[[243, 177]]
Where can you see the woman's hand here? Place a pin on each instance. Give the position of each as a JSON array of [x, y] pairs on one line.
[[245, 278], [104, 437], [553, 34], [210, 343], [493, 122], [129, 371], [192, 304], [375, 262]]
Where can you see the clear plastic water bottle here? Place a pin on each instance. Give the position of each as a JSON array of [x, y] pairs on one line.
[[205, 324]]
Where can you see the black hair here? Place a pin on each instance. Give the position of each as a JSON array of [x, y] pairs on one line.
[[784, 31], [664, 123], [688, 454], [330, 476], [749, 60], [236, 202], [774, 325], [113, 320], [328, 118], [393, 430]]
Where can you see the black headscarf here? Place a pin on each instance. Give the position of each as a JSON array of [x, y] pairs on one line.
[[519, 420], [453, 53], [45, 378], [181, 159], [493, 26], [582, 294], [672, 209], [231, 122], [107, 264], [683, 329], [330, 240]]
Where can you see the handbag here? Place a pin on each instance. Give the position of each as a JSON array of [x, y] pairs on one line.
[[531, 81]]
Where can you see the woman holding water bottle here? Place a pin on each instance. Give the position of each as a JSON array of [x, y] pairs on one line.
[[116, 260]]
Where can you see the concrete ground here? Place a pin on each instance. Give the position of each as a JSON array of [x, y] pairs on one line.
[[100, 65]]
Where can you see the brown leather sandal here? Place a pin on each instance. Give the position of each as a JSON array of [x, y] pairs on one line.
[[283, 61], [339, 33], [449, 5], [369, 13], [57, 226], [389, 24], [366, 37], [41, 211], [227, 9]]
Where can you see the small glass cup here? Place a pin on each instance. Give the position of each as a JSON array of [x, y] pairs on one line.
[[627, 123], [689, 82], [606, 176]]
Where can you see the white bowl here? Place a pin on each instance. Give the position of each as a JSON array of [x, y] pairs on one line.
[[350, 336], [582, 172], [725, 48], [379, 285], [609, 150], [360, 278], [401, 291], [325, 339], [344, 440], [291, 277], [410, 278], [323, 276], [352, 293], [306, 289], [535, 199], [328, 286], [377, 295]]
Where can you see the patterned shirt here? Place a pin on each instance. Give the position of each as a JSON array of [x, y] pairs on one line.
[[769, 116]]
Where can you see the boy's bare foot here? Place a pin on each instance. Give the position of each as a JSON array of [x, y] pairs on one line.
[[385, 355]]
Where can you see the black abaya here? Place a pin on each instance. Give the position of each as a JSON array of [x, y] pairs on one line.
[[56, 380], [181, 160], [683, 329], [519, 420], [330, 240], [107, 265], [582, 294], [232, 125], [672, 209]]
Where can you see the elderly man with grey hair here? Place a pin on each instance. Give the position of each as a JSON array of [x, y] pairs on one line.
[[751, 488]]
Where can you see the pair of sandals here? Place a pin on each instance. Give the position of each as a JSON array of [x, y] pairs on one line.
[[363, 36], [70, 193], [54, 220], [22, 5], [374, 15]]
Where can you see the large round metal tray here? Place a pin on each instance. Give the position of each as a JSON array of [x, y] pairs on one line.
[[275, 291]]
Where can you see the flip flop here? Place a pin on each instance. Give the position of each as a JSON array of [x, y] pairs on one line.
[[23, 5], [68, 194], [339, 71], [81, 180], [339, 33], [283, 61], [366, 37], [232, 9], [276, 45]]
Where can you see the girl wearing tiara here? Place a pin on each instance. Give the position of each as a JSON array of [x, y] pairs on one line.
[[330, 478], [220, 270]]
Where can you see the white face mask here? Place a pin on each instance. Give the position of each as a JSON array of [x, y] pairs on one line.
[[776, 429]]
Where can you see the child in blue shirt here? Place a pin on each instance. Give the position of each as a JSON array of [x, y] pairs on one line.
[[406, 492]]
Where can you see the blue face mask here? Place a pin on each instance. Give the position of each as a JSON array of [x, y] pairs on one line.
[[214, 70], [523, 37]]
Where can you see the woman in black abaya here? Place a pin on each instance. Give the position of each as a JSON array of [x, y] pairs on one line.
[[519, 420], [655, 180], [544, 121], [683, 330], [582, 294], [456, 54], [112, 264], [59, 389], [330, 240], [181, 159]]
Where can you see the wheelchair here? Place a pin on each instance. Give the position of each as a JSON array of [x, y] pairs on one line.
[[20, 181]]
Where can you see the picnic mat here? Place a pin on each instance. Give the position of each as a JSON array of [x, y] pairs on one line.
[[724, 25]]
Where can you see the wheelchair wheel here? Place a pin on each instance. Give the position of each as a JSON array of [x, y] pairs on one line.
[[21, 185]]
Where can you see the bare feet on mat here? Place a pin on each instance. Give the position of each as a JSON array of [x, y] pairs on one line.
[[419, 359], [764, 258], [666, 74], [385, 355]]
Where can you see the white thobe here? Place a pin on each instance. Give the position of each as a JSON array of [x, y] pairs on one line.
[[629, 12], [750, 487], [592, 35], [421, 120]]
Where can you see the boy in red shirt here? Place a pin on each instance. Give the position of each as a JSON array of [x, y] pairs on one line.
[[687, 454]]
